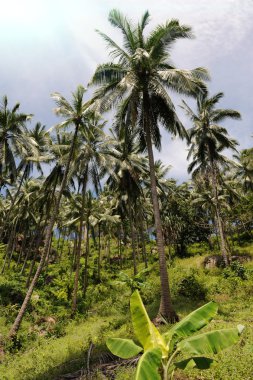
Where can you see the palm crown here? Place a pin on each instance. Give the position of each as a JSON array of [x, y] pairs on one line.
[[142, 74], [208, 138]]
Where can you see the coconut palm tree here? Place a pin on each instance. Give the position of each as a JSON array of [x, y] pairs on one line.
[[138, 80], [12, 139], [208, 140], [244, 170], [89, 167], [75, 114], [125, 178]]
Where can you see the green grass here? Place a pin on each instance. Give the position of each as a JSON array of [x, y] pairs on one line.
[[105, 312], [55, 356]]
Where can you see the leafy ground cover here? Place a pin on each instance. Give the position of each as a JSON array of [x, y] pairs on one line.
[[47, 349]]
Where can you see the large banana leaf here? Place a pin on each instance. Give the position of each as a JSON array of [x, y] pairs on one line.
[[124, 348], [210, 342], [193, 322], [199, 362], [145, 331], [149, 364]]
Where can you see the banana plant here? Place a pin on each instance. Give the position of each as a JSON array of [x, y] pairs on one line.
[[159, 351]]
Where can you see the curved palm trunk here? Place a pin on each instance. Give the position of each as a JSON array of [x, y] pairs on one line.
[[166, 308], [54, 213], [36, 251], [225, 252]]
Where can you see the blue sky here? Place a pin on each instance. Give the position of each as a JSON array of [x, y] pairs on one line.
[[51, 45]]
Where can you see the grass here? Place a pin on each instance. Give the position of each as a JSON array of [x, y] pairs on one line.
[[105, 312]]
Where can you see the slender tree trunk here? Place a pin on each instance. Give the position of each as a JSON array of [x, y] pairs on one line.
[[78, 256], [223, 241], [13, 200], [133, 240], [119, 247], [9, 248], [166, 308], [73, 261], [79, 247], [36, 251], [54, 213], [26, 258], [99, 251], [22, 247], [87, 253], [38, 236], [143, 244], [1, 160], [64, 234], [58, 241]]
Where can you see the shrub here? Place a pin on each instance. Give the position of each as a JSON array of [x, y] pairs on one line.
[[236, 269], [190, 287]]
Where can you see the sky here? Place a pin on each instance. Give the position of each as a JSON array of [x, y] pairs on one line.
[[52, 45]]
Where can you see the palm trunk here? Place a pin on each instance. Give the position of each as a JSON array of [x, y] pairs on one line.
[[9, 248], [87, 253], [166, 308], [119, 247], [78, 256], [13, 200], [26, 258], [133, 239], [225, 252], [1, 161], [36, 251], [18, 320], [143, 243], [73, 260], [22, 248], [99, 251], [79, 247]]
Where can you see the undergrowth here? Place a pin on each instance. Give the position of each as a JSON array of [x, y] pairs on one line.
[[47, 348]]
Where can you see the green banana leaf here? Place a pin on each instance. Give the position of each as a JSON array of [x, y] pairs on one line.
[[145, 331], [199, 362], [124, 348], [210, 342], [149, 364], [193, 322]]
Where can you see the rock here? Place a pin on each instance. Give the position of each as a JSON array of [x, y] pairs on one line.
[[241, 258], [214, 261]]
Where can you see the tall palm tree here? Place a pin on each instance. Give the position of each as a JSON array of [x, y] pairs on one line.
[[88, 168], [33, 156], [138, 80], [74, 114], [126, 178], [12, 139], [208, 140], [244, 170]]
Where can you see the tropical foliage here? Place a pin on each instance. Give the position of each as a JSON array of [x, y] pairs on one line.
[[160, 351], [88, 215]]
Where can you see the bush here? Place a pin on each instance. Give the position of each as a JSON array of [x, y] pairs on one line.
[[236, 269], [11, 293], [190, 287]]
